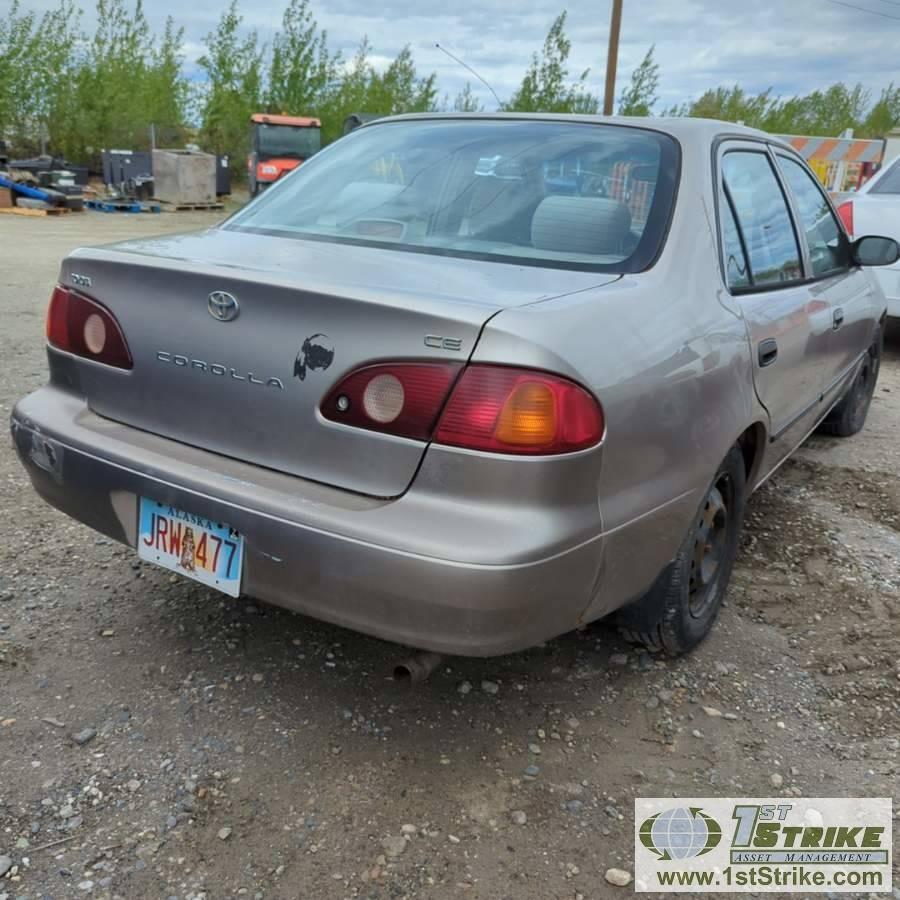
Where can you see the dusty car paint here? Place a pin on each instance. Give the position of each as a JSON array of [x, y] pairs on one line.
[[435, 546]]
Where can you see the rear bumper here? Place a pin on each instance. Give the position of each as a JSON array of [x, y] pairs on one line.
[[368, 564]]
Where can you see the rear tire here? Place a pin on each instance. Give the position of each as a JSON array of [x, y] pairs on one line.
[[681, 607], [849, 415]]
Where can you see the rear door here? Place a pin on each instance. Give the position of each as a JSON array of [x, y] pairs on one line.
[[788, 325], [845, 288]]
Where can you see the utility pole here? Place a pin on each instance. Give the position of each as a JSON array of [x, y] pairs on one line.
[[612, 58]]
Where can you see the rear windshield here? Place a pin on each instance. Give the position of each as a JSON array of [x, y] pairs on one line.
[[889, 183], [573, 195]]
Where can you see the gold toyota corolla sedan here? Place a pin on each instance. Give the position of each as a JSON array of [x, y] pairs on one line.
[[466, 382]]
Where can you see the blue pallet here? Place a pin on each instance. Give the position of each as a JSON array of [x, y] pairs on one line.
[[109, 206]]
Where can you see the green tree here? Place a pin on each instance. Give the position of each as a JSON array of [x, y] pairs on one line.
[[35, 56], [884, 114], [348, 95], [233, 90], [640, 95], [732, 104], [18, 31], [546, 87], [77, 93], [108, 77], [836, 108], [399, 89], [165, 94], [56, 68], [302, 69], [827, 112], [785, 116], [466, 101]]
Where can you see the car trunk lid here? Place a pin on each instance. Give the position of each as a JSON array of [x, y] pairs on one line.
[[308, 313]]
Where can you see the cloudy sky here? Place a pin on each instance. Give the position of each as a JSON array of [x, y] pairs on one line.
[[793, 46]]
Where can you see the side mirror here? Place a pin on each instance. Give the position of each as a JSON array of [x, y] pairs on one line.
[[875, 251]]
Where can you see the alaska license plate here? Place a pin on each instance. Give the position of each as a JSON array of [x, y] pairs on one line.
[[207, 551]]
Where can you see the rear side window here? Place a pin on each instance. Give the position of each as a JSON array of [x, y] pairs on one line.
[[889, 183], [761, 210], [737, 273], [829, 251], [565, 194]]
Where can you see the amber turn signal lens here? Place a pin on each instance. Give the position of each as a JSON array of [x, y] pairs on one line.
[[528, 417], [500, 409]]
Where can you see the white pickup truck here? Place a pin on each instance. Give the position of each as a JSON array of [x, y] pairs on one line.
[[875, 209]]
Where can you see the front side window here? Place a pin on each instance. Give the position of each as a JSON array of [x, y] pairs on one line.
[[829, 251], [889, 183], [575, 195], [773, 255]]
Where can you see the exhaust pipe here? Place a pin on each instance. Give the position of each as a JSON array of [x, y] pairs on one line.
[[416, 669]]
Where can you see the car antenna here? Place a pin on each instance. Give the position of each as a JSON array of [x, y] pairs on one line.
[[467, 66]]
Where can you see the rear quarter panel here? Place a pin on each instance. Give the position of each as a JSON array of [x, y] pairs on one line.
[[666, 353]]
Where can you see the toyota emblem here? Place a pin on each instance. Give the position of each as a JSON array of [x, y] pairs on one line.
[[223, 306]]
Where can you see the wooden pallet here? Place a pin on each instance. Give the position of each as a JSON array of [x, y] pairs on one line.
[[183, 207], [25, 211]]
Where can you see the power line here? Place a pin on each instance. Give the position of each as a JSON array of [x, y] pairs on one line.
[[891, 2], [874, 12]]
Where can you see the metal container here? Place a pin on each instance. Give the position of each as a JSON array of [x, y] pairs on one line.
[[223, 177], [184, 177], [123, 166]]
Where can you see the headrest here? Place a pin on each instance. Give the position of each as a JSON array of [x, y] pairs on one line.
[[591, 225]]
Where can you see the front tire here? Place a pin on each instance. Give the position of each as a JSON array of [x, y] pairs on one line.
[[681, 607], [849, 415]]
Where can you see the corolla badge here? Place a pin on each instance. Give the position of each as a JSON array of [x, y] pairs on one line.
[[222, 306], [317, 353]]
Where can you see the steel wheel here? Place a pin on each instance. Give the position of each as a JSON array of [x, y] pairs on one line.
[[710, 540], [681, 606], [865, 386], [849, 415]]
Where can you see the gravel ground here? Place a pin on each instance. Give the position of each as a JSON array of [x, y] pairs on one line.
[[158, 740]]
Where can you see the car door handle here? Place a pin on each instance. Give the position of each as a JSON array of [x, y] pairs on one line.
[[838, 319], [768, 352]]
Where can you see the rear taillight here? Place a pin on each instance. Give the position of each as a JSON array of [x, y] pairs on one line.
[[845, 211], [505, 410], [399, 398], [82, 326], [497, 409]]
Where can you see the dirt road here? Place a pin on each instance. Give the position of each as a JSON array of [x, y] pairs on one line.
[[158, 740]]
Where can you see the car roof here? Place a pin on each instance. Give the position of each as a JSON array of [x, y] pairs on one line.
[[685, 129]]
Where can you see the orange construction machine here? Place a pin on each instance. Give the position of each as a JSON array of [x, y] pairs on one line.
[[278, 145]]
